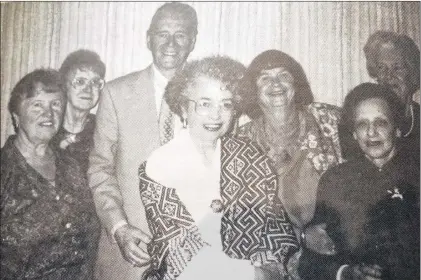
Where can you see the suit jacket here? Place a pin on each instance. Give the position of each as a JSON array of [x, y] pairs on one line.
[[126, 133]]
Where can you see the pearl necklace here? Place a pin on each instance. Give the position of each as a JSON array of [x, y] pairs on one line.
[[412, 121]]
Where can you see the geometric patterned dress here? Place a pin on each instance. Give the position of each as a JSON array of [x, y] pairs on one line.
[[254, 224]]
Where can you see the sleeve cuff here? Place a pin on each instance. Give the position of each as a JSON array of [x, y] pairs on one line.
[[340, 270], [115, 228]]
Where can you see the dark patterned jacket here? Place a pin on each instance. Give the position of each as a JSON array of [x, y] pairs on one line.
[[47, 232], [245, 173]]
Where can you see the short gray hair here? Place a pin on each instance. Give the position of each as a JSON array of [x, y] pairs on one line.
[[182, 10], [407, 47]]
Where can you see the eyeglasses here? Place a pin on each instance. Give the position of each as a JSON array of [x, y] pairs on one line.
[[396, 69], [180, 38], [273, 78], [82, 83], [204, 107]]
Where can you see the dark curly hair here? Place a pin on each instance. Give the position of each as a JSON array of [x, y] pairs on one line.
[[47, 80], [224, 69], [83, 59], [359, 94], [404, 44], [267, 60]]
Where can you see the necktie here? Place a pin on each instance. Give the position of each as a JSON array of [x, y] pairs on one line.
[[166, 123]]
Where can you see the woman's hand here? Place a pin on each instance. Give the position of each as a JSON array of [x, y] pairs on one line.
[[132, 243], [362, 272], [317, 240]]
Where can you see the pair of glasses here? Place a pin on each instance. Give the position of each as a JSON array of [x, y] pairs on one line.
[[180, 38], [396, 69], [82, 83], [204, 107], [283, 77]]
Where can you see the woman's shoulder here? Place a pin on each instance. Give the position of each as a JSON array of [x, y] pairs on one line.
[[344, 171], [8, 159], [248, 129], [324, 112], [164, 159], [6, 151], [240, 141], [234, 146], [165, 152]]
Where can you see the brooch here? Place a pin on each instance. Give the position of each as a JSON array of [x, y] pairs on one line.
[[216, 205], [395, 193], [68, 139]]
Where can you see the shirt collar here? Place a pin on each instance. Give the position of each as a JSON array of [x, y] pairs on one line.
[[159, 79]]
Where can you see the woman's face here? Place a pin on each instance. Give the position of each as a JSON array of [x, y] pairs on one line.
[[374, 130], [276, 90], [83, 89], [391, 71], [210, 109], [40, 116]]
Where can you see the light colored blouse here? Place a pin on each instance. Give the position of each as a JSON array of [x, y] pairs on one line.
[[179, 165]]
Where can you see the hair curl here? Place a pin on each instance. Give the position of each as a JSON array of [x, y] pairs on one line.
[[360, 93], [83, 59], [267, 60], [223, 69], [47, 80], [404, 44]]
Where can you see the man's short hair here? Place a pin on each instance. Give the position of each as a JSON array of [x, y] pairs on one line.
[[178, 10]]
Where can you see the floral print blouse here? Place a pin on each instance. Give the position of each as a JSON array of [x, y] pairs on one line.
[[47, 232], [316, 150]]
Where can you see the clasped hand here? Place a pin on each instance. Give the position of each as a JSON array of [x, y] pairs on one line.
[[317, 240], [133, 245], [363, 272]]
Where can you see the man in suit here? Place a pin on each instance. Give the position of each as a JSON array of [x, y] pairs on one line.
[[132, 120]]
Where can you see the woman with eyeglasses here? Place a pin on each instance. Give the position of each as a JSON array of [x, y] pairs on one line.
[[210, 197], [84, 73]]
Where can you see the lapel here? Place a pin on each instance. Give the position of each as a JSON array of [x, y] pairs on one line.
[[142, 101]]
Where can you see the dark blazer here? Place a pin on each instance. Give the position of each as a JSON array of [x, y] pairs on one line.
[[372, 215]]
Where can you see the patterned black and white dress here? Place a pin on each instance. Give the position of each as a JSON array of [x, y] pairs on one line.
[[213, 222]]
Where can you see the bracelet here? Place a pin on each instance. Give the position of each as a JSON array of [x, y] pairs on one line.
[[340, 270]]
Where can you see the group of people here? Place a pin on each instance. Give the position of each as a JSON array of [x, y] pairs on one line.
[[164, 182]]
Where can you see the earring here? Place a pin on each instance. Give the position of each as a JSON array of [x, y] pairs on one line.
[[184, 122], [398, 133]]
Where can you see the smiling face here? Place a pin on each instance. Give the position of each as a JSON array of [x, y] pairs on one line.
[[82, 93], [170, 42], [212, 101], [375, 131], [391, 71], [40, 116], [276, 90]]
